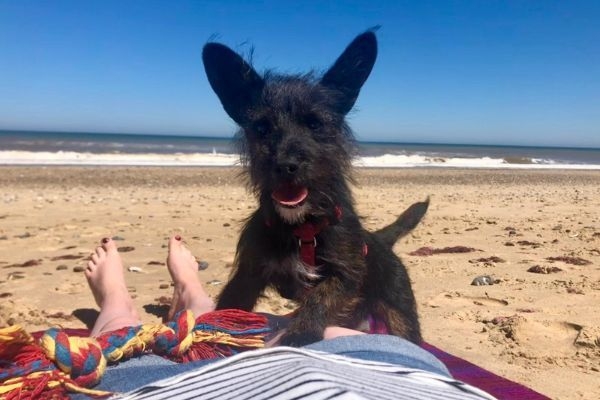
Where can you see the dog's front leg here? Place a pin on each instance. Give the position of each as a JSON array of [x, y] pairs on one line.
[[327, 304], [243, 289], [248, 280]]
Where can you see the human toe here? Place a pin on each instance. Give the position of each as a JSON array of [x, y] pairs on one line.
[[175, 242], [108, 244]]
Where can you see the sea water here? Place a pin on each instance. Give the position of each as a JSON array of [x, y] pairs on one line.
[[73, 148]]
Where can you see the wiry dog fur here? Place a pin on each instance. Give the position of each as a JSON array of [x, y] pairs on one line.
[[297, 151]]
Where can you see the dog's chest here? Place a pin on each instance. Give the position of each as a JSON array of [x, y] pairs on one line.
[[293, 278]]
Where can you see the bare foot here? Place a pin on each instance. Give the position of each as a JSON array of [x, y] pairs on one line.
[[104, 274], [188, 293]]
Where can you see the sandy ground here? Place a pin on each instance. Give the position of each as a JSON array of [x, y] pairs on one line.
[[540, 329]]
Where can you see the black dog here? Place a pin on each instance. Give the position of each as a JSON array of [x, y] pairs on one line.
[[305, 239]]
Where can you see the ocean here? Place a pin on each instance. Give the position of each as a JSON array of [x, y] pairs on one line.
[[72, 148]]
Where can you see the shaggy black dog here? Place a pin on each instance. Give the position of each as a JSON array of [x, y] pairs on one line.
[[305, 239]]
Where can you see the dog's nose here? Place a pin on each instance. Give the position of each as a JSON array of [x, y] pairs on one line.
[[287, 168]]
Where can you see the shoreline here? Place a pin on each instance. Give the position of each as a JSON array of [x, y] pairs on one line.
[[529, 327], [362, 175], [366, 163]]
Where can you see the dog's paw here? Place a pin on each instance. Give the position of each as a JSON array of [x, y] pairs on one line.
[[300, 339]]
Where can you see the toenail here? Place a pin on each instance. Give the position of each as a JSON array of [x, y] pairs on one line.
[[177, 237], [105, 240]]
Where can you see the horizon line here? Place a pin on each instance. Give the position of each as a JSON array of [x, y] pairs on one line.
[[193, 135]]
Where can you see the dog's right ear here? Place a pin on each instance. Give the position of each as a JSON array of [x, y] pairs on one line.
[[235, 82]]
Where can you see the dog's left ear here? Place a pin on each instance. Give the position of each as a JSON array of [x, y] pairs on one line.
[[351, 70]]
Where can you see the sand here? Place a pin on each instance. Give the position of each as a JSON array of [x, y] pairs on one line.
[[540, 329]]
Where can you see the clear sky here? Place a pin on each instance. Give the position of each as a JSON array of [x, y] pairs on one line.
[[481, 72]]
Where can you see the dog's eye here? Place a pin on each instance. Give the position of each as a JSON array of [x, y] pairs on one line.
[[261, 127], [313, 122]]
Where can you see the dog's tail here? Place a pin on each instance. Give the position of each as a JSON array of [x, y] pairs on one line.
[[405, 223]]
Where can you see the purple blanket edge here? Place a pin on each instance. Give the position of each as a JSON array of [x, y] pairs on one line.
[[497, 386]]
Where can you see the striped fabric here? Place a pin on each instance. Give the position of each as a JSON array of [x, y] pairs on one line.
[[290, 373]]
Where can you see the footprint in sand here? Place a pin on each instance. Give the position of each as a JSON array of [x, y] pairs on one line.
[[457, 299], [520, 336], [70, 288], [535, 339], [589, 336], [11, 313]]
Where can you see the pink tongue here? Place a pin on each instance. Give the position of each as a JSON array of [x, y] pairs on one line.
[[290, 195]]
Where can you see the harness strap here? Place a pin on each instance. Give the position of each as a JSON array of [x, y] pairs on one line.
[[307, 237], [307, 240]]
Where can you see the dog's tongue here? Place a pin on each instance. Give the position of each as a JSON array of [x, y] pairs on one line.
[[290, 195]]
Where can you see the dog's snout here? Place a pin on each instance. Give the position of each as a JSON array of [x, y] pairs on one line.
[[287, 168]]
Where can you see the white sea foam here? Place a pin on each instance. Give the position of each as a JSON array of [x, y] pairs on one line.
[[411, 161], [221, 160], [150, 159]]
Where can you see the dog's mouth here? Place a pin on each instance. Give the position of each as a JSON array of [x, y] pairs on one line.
[[290, 195]]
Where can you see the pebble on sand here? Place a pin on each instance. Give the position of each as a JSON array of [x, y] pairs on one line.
[[202, 265], [483, 280], [543, 269]]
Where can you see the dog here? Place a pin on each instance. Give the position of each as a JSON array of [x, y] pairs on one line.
[[306, 239]]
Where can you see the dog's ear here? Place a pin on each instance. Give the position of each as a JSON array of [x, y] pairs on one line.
[[351, 70], [234, 81]]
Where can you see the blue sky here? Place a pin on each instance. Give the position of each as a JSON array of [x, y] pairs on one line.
[[480, 72]]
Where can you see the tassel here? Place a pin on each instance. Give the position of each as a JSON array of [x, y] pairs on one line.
[[60, 363], [32, 374], [225, 332]]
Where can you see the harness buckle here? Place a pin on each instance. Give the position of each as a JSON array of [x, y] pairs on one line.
[[304, 243]]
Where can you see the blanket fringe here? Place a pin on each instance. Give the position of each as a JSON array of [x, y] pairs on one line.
[[59, 363]]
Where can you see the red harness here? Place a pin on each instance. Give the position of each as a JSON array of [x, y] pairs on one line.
[[307, 238]]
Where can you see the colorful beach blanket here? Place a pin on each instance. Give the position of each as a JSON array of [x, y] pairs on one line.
[[65, 361], [55, 363]]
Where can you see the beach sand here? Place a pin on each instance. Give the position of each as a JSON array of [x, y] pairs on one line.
[[540, 329]]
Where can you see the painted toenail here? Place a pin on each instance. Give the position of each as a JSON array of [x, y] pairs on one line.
[[105, 240], [177, 237]]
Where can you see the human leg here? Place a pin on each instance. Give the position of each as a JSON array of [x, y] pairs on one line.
[[383, 348], [188, 293], [106, 279]]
